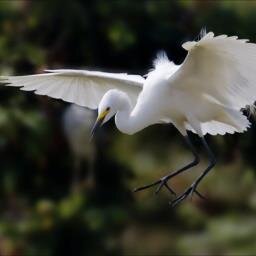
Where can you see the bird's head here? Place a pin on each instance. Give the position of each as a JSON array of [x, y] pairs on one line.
[[110, 104]]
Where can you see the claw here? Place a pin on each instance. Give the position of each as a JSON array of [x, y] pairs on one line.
[[171, 190], [162, 182], [188, 192], [147, 186], [200, 195], [176, 201]]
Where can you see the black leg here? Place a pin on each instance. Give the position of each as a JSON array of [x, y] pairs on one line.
[[163, 181], [192, 188]]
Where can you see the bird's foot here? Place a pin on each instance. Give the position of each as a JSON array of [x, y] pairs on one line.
[[161, 183], [188, 192]]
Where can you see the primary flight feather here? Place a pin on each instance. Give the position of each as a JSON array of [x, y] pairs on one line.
[[205, 94], [83, 87]]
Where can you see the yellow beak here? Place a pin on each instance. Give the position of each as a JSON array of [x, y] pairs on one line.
[[99, 122]]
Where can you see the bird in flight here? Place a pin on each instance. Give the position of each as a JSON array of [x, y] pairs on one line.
[[205, 95]]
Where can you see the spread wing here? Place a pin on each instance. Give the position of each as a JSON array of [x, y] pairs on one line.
[[85, 88], [223, 67]]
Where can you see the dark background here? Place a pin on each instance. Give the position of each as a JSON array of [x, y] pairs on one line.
[[40, 212]]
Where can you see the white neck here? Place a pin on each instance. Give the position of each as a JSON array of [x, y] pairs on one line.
[[129, 120]]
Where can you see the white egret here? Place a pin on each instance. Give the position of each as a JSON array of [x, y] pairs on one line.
[[205, 94], [77, 124]]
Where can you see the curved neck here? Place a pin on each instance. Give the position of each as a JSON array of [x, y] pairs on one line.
[[130, 121]]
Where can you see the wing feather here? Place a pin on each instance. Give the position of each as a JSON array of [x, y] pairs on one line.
[[82, 87], [223, 67]]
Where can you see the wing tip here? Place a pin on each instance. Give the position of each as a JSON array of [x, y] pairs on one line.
[[203, 35]]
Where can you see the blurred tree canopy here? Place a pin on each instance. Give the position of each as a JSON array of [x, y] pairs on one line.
[[39, 214]]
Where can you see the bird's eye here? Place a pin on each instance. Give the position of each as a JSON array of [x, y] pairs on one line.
[[108, 108]]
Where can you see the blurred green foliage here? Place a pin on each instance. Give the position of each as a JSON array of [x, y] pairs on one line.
[[39, 215]]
